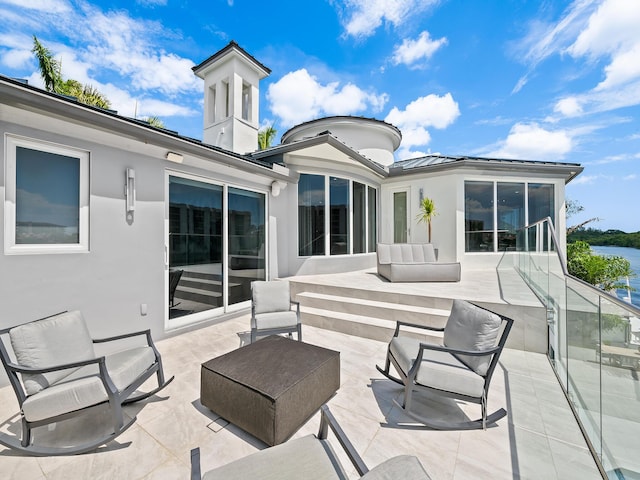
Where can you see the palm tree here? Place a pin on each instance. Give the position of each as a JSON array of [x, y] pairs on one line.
[[154, 121], [266, 136], [427, 212], [49, 66], [51, 72]]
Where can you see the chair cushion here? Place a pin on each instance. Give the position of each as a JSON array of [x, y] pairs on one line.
[[406, 253], [271, 296], [472, 328], [57, 340], [305, 457], [406, 467], [83, 387], [276, 320], [440, 370]]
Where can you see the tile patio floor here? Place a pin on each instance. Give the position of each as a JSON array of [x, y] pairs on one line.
[[538, 440]]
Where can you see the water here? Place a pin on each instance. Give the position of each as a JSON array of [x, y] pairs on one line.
[[631, 254]]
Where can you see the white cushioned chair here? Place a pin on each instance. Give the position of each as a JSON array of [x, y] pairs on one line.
[[57, 374], [271, 312], [461, 366], [309, 457]]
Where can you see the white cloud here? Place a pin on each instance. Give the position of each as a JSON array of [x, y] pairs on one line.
[[412, 51], [361, 18], [424, 112], [48, 6], [568, 106], [532, 142], [299, 96], [152, 3], [17, 58], [631, 176]]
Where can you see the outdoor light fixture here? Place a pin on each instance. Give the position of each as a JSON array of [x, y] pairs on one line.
[[276, 187], [130, 189], [174, 157]]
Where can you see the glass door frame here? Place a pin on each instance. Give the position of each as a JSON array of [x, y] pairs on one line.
[[179, 322]]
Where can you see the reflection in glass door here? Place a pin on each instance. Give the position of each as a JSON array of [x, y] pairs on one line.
[[400, 217], [195, 246], [246, 242]]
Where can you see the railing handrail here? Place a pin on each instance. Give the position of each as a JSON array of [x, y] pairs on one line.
[[621, 303]]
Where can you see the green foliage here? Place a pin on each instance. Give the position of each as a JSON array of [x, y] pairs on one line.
[[154, 121], [51, 72], [616, 238], [603, 271], [266, 136], [427, 212]]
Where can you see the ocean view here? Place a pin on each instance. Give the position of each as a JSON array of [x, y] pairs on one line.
[[631, 254]]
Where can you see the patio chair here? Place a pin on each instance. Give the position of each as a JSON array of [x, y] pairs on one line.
[[461, 366], [310, 457], [62, 377], [271, 312]]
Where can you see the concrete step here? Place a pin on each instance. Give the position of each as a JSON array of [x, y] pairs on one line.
[[374, 308], [206, 296], [426, 301], [358, 325]]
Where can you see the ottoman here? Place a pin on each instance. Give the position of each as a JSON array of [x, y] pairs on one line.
[[271, 387]]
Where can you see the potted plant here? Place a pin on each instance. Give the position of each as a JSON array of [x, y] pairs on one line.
[[427, 212]]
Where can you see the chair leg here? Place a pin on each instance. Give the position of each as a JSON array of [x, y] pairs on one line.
[[299, 332], [253, 335], [483, 406], [26, 433]]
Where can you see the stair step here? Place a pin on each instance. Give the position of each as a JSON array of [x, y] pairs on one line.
[[419, 300], [197, 295], [374, 308], [358, 325]]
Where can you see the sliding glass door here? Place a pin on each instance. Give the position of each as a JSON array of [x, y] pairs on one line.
[[216, 245]]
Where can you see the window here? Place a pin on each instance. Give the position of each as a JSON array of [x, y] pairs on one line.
[[311, 231], [359, 218], [372, 220], [494, 211], [347, 226], [47, 198], [246, 102]]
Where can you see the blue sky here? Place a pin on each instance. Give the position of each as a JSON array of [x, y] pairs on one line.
[[538, 80]]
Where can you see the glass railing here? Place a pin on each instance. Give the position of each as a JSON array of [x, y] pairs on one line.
[[594, 347]]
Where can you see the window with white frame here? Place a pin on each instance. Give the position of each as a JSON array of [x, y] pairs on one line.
[[494, 211], [47, 197], [336, 216]]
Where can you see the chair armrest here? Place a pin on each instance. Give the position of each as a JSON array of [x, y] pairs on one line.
[[415, 325], [125, 335], [328, 420], [297, 304], [195, 464], [23, 369], [457, 351]]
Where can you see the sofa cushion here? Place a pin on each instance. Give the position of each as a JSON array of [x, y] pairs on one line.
[[470, 327], [406, 253], [305, 457], [276, 319], [56, 340], [271, 296], [439, 370], [406, 467]]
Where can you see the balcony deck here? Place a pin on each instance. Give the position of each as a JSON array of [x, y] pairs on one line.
[[539, 438]]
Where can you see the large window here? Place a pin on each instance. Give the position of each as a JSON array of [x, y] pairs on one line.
[[494, 211], [339, 216], [47, 198], [311, 231], [336, 215]]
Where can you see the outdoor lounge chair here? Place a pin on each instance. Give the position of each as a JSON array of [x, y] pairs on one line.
[[271, 312], [310, 457], [61, 377], [174, 280], [461, 366]]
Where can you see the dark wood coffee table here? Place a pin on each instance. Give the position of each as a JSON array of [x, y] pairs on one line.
[[270, 388]]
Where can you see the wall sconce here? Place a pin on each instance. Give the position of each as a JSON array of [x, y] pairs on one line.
[[130, 189], [174, 157], [277, 186]]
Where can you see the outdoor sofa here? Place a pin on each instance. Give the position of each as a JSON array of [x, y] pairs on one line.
[[414, 262]]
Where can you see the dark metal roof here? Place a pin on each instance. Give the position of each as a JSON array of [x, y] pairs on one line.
[[439, 162], [221, 53]]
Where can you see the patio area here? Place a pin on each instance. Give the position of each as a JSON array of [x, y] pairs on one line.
[[538, 439]]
